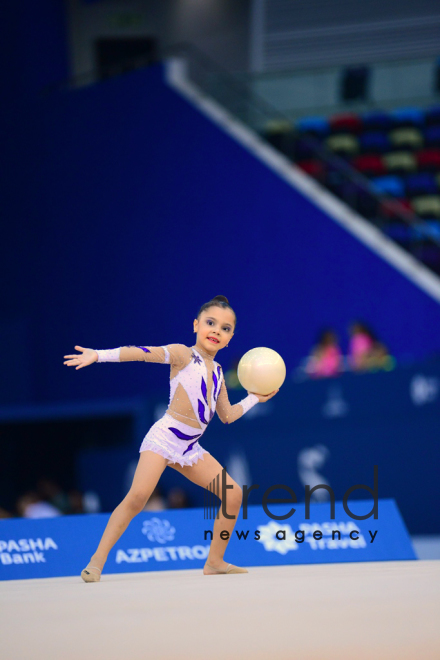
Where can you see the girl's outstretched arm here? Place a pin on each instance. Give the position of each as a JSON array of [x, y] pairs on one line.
[[174, 354]]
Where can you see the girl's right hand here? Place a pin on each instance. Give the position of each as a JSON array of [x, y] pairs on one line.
[[88, 356]]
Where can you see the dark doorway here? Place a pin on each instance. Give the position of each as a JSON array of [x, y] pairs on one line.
[[116, 56]]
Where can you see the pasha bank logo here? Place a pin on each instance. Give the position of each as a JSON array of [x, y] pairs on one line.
[[158, 530]]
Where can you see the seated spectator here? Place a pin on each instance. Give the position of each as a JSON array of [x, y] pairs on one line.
[[4, 513], [30, 505], [366, 352], [325, 360], [156, 502], [50, 491], [178, 498]]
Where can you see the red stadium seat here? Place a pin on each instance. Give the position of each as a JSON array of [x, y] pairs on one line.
[[347, 122], [392, 208], [314, 168], [369, 164], [429, 159]]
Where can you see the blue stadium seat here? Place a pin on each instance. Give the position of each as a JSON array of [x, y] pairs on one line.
[[318, 126], [432, 136], [408, 117], [422, 183], [389, 185], [376, 120], [398, 232], [374, 142], [432, 115], [432, 228]]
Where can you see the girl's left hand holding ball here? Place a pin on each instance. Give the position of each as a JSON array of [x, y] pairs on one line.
[[262, 398], [83, 359]]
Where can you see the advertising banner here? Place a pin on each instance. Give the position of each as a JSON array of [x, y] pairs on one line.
[[180, 539]]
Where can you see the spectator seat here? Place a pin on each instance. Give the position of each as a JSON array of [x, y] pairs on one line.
[[408, 117], [400, 162], [406, 138], [428, 160], [343, 144], [376, 120], [422, 183], [347, 122], [318, 126], [432, 136], [389, 185], [369, 165], [374, 142], [427, 206]]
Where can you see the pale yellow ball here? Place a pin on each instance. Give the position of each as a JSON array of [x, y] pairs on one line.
[[261, 370]]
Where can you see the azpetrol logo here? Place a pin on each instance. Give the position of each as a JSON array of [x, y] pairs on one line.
[[284, 533], [160, 530]]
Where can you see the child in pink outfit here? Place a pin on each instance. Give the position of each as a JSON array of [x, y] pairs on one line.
[[326, 358]]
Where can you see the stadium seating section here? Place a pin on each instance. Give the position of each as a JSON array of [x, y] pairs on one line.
[[397, 154]]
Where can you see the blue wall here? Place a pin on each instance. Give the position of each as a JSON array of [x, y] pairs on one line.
[[129, 210]]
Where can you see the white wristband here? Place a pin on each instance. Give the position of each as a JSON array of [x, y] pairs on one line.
[[110, 355], [249, 402]]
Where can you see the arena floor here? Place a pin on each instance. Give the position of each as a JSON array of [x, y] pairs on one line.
[[382, 610]]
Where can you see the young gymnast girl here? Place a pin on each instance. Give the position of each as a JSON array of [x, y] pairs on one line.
[[197, 390]]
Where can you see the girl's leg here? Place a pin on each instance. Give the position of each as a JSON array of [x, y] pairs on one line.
[[202, 474], [148, 472]]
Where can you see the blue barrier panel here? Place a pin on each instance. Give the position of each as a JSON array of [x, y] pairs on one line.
[[175, 539]]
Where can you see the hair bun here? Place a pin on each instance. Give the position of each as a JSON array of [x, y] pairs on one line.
[[221, 299]]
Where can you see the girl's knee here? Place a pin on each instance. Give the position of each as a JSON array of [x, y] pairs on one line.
[[136, 501], [234, 496]]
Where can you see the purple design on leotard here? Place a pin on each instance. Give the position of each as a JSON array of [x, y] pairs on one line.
[[202, 411], [143, 349], [204, 390], [183, 436], [189, 447], [219, 379], [215, 381], [197, 360]]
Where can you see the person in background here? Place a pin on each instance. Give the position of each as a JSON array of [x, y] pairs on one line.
[[366, 352], [50, 491], [157, 501], [178, 498], [76, 502], [4, 513], [30, 505], [326, 359]]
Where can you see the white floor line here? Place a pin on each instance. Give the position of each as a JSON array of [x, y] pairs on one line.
[[363, 230]]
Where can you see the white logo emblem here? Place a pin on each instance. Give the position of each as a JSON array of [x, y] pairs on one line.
[[335, 406], [310, 460], [423, 389], [158, 530], [269, 540]]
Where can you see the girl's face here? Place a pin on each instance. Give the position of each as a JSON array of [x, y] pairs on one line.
[[215, 328]]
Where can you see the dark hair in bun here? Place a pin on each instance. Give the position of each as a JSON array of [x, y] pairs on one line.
[[218, 301]]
